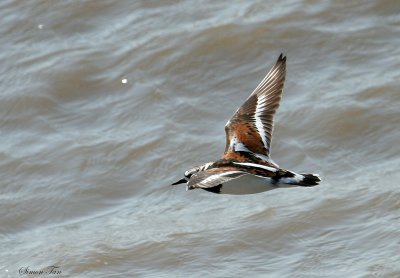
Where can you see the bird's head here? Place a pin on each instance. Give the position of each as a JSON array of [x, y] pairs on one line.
[[187, 175]]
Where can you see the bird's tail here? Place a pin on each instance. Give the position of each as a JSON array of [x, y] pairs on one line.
[[288, 177], [309, 180]]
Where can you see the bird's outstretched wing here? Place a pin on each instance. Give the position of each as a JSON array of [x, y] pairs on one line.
[[250, 128]]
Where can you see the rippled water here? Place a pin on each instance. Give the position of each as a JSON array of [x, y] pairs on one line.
[[86, 159]]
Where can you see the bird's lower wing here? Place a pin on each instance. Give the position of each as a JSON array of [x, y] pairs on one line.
[[213, 177]]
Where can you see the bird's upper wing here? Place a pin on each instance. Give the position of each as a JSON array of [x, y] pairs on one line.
[[250, 128], [214, 177]]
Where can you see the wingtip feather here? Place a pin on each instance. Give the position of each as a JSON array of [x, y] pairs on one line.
[[282, 58]]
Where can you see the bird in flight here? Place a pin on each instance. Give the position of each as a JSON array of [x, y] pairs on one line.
[[246, 166]]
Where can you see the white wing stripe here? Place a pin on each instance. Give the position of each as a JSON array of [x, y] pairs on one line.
[[256, 166], [217, 176], [259, 124]]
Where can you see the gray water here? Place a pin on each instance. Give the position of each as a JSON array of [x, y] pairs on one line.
[[86, 160]]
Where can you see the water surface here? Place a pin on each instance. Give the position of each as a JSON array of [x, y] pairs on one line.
[[86, 160]]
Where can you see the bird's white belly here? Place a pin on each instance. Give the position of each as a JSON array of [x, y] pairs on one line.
[[250, 184]]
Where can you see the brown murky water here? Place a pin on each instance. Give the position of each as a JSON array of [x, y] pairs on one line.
[[86, 160]]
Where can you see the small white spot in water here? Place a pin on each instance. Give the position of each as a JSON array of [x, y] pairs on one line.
[[124, 81], [40, 26], [105, 262], [97, 261], [6, 270]]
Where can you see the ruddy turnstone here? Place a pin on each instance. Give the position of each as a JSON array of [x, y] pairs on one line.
[[246, 166]]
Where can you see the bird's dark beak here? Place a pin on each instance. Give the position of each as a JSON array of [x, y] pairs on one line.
[[180, 181]]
